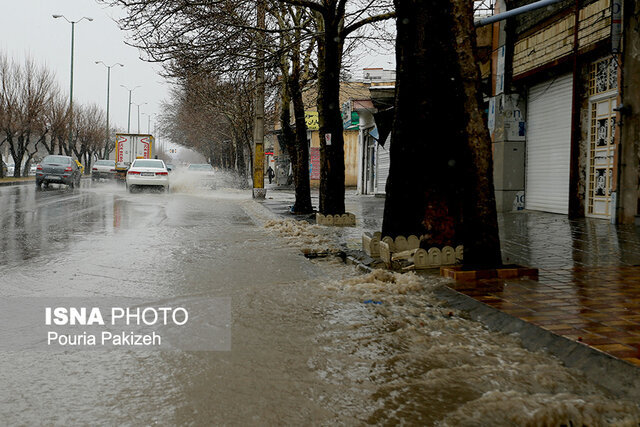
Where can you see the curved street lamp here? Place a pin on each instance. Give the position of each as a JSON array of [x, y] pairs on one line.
[[106, 143], [129, 114], [73, 25]]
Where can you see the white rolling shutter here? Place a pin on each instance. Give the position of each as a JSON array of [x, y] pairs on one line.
[[383, 166], [549, 145]]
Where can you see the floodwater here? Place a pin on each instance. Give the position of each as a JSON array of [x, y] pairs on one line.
[[313, 342]]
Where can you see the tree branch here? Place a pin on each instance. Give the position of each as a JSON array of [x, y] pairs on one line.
[[307, 3], [371, 19]]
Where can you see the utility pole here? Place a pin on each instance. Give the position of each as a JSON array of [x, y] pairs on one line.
[[106, 142], [138, 105], [129, 113], [259, 191], [149, 121]]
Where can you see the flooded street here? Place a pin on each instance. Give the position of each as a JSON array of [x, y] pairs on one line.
[[313, 342]]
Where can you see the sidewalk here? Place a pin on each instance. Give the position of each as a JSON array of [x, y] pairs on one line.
[[589, 284]]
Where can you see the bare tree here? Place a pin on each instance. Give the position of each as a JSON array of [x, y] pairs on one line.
[[25, 92], [297, 69], [336, 20], [56, 118], [89, 133], [221, 36], [214, 117]]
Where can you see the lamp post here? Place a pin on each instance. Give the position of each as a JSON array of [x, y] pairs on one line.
[[73, 26], [138, 105], [129, 114], [149, 121], [106, 141]]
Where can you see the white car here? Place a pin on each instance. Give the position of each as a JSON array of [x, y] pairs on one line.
[[103, 169], [204, 174], [147, 172]]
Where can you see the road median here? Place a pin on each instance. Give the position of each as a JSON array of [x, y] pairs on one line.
[[16, 181]]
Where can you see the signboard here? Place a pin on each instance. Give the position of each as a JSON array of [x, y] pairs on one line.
[[346, 114], [311, 119], [491, 116], [327, 139], [314, 163], [616, 26], [500, 71]]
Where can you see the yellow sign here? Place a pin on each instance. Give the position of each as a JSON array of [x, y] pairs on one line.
[[311, 119]]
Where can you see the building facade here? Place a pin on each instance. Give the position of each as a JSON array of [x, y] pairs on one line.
[[554, 115]]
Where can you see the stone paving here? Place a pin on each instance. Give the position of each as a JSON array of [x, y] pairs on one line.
[[589, 283]]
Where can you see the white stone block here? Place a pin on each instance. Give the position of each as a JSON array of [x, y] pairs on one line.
[[421, 259], [448, 255], [413, 242], [435, 257], [401, 244]]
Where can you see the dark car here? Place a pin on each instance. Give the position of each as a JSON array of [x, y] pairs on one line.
[[58, 170]]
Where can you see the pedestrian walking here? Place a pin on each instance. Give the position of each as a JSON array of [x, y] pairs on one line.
[[270, 174]]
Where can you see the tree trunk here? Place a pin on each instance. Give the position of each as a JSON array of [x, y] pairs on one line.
[[288, 136], [330, 119], [440, 182], [17, 154], [480, 227], [301, 148]]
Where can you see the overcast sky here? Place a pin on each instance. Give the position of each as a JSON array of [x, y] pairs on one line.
[[28, 29]]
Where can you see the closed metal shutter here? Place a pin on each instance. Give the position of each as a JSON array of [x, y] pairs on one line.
[[383, 166], [549, 145]]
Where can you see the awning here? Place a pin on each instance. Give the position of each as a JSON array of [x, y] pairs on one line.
[[384, 123]]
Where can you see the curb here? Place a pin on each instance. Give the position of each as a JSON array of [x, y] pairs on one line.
[[351, 260], [620, 378]]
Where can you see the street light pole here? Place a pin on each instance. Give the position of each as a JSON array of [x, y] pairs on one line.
[[138, 105], [129, 114], [149, 121], [106, 143], [73, 26]]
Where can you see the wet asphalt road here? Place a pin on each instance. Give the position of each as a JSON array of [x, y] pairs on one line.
[[307, 348], [101, 241]]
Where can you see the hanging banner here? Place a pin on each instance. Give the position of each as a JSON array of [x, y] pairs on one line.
[[311, 119], [314, 163]]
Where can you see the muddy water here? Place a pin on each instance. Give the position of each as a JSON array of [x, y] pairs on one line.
[[390, 347], [312, 342], [419, 361]]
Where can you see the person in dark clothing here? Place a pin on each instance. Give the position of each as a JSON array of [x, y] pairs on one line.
[[270, 174]]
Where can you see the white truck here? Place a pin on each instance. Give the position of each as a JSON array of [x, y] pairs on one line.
[[131, 146]]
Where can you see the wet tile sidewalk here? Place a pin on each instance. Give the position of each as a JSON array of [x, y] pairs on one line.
[[589, 283], [599, 307]]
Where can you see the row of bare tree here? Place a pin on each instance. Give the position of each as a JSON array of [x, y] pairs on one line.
[[35, 119], [440, 180], [301, 43], [212, 116]]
